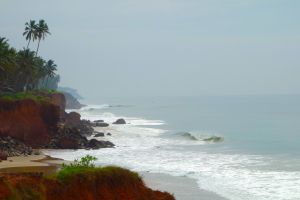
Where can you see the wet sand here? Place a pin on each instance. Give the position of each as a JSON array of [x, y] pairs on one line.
[[182, 188]]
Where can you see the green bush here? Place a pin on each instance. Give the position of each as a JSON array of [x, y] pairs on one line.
[[85, 164], [36, 95], [87, 161]]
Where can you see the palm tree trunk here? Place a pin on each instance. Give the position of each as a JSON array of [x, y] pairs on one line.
[[28, 43], [43, 83], [46, 82], [38, 47]]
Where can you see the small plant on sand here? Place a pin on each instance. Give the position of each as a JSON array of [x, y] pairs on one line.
[[84, 164]]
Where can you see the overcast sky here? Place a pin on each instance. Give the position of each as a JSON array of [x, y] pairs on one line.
[[166, 47]]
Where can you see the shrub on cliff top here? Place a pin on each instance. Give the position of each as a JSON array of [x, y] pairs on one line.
[[23, 95], [37, 95], [86, 162], [86, 166]]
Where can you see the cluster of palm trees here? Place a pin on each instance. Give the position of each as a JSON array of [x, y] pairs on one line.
[[24, 70], [36, 31]]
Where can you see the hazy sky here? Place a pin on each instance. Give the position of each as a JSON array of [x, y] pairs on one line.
[[166, 47]]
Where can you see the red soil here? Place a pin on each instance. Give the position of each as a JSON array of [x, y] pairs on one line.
[[29, 121], [120, 186]]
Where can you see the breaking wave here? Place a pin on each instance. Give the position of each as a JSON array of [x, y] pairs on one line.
[[199, 137]]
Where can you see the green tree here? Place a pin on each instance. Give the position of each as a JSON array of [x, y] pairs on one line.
[[50, 68], [7, 64], [28, 70], [42, 31], [23, 70], [30, 32]]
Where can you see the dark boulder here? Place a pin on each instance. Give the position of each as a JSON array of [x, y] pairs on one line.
[[3, 155], [109, 134], [100, 124], [68, 138], [71, 138], [99, 121], [73, 119], [99, 134], [12, 147], [96, 144], [85, 127], [120, 121]]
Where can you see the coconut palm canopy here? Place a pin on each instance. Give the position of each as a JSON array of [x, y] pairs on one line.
[[30, 32], [36, 31], [23, 70], [42, 31]]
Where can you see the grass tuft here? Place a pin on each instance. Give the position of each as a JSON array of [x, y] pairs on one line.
[[37, 95], [86, 166]]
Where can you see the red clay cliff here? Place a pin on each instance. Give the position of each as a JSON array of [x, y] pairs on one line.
[[29, 121], [121, 185]]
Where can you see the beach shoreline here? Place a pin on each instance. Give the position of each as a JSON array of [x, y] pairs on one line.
[[32, 163], [183, 188]]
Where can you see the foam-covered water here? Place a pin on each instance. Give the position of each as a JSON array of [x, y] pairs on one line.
[[219, 165]]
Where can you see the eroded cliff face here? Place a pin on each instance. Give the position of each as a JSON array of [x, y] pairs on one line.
[[72, 102], [29, 121], [45, 124], [123, 185]]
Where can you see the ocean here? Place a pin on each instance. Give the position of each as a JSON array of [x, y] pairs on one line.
[[240, 147]]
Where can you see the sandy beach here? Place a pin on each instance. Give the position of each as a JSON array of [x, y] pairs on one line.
[[32, 163], [182, 188]]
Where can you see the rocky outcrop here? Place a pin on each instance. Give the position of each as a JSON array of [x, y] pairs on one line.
[[109, 184], [29, 121], [57, 99], [72, 102], [40, 124], [73, 120], [100, 124], [98, 144], [71, 138], [99, 134], [120, 121], [11, 147], [3, 155]]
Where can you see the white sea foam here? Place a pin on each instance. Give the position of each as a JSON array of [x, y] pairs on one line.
[[143, 122], [94, 107], [219, 173], [235, 176]]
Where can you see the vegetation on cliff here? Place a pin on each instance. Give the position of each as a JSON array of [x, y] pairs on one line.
[[24, 70], [36, 95], [32, 115], [31, 110], [80, 181]]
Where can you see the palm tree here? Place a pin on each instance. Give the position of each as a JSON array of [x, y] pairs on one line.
[[50, 67], [5, 51], [7, 64], [28, 69], [30, 31], [41, 32]]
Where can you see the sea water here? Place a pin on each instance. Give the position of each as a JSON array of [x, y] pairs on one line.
[[240, 147]]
